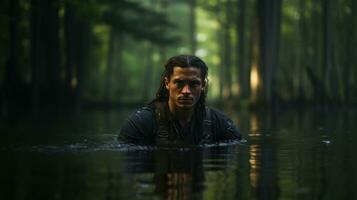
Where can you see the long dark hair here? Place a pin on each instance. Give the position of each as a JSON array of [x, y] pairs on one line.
[[182, 61], [162, 95]]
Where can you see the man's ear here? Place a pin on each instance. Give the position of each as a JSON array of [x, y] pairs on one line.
[[166, 83]]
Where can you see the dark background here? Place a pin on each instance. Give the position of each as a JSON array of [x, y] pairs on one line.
[[63, 54], [71, 71]]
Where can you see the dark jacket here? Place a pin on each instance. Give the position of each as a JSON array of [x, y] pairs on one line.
[[144, 128]]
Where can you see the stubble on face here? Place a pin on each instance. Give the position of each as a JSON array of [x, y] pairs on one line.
[[185, 86]]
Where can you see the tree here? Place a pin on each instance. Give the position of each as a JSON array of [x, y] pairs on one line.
[[269, 13], [12, 74], [329, 78], [241, 48], [350, 40], [193, 42], [45, 54]]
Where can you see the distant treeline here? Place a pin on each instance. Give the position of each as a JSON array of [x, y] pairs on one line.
[[49, 46], [61, 53], [288, 52]]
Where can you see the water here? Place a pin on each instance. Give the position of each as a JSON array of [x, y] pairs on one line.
[[286, 155]]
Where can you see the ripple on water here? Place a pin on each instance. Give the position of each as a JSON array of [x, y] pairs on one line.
[[100, 144]]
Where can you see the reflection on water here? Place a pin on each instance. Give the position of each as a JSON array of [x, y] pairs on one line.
[[287, 155], [176, 174]]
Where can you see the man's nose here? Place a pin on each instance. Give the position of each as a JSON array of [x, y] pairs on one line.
[[186, 89]]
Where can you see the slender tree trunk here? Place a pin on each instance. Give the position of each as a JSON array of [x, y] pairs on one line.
[[255, 74], [119, 46], [78, 35], [327, 48], [163, 5], [45, 54], [158, 50], [275, 44], [222, 71], [71, 51], [301, 51], [220, 39], [269, 13], [315, 71], [77, 32], [243, 68], [348, 58], [309, 57], [193, 26], [227, 58], [148, 75], [110, 63], [83, 44], [113, 66], [53, 64], [36, 53], [12, 76], [12, 66], [263, 17]]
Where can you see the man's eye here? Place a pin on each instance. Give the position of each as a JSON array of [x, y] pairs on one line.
[[195, 84], [179, 84]]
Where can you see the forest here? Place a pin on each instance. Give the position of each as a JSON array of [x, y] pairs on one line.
[[76, 53]]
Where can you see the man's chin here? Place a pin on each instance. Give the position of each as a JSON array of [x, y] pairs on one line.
[[186, 106]]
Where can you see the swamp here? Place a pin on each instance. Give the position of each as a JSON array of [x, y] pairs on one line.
[[72, 71]]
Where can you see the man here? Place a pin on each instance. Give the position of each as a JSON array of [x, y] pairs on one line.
[[178, 115]]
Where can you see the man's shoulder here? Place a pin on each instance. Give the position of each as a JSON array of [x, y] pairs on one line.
[[139, 126], [144, 112], [224, 125], [215, 113], [145, 109]]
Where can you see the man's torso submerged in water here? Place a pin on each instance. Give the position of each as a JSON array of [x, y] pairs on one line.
[[154, 125]]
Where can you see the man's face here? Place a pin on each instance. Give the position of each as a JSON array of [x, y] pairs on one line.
[[184, 86]]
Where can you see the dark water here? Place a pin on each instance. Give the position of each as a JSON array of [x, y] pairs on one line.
[[286, 155]]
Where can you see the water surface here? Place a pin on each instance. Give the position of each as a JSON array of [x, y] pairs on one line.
[[287, 155]]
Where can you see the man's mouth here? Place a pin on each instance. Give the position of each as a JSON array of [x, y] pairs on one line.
[[185, 99]]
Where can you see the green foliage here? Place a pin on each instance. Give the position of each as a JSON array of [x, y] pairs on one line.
[[119, 47]]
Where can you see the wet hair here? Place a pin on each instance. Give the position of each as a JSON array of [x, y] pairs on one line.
[[162, 94], [182, 61]]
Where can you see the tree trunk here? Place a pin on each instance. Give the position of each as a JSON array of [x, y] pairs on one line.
[[53, 74], [36, 53], [301, 51], [109, 71], [12, 76], [45, 54], [327, 50], [78, 33], [220, 40], [148, 75], [84, 46], [193, 41], [349, 59], [255, 76], [114, 61], [70, 28], [227, 58], [313, 70], [118, 58], [269, 13], [12, 73], [163, 5], [243, 68], [319, 91]]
